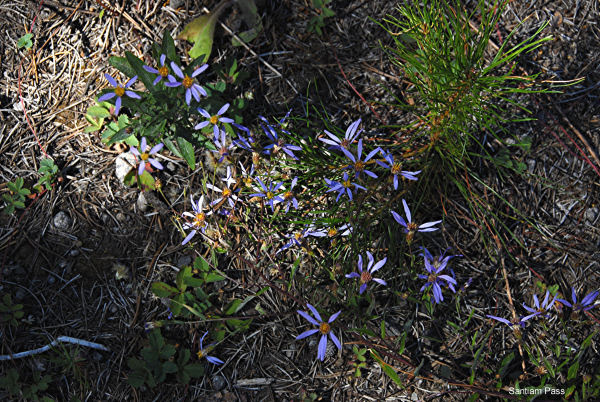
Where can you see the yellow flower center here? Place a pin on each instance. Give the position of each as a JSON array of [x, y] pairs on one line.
[[344, 143], [187, 82], [144, 156], [199, 219], [248, 181], [288, 195], [163, 71], [431, 277], [298, 235], [347, 184], [226, 192], [359, 166], [269, 195], [411, 226], [119, 91], [214, 119], [365, 277], [324, 328], [332, 232], [396, 168], [200, 354]]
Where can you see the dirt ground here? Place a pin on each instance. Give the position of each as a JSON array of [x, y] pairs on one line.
[[59, 257]]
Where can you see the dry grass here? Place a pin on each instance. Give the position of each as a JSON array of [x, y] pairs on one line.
[[65, 275]]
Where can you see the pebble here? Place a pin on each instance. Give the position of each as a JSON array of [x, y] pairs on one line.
[[51, 279], [218, 382], [62, 221], [113, 309], [530, 165], [123, 164], [142, 202], [20, 294], [184, 260], [591, 214]]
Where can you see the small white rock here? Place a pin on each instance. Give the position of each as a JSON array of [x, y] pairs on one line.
[[142, 202], [62, 221], [123, 164]]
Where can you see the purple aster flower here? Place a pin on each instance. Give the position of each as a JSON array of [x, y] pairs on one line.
[[332, 231], [295, 238], [214, 119], [539, 310], [357, 164], [227, 194], [221, 146], [586, 304], [246, 176], [269, 192], [289, 197], [191, 88], [433, 277], [202, 353], [410, 228], [119, 91], [324, 329], [440, 262], [145, 156], [396, 169], [162, 71], [344, 187], [278, 143], [366, 276], [198, 219], [349, 138]]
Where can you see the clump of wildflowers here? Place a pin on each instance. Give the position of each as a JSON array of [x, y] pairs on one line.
[[202, 353], [145, 156], [198, 219], [119, 91], [336, 143], [324, 329], [366, 275], [191, 88], [410, 228]]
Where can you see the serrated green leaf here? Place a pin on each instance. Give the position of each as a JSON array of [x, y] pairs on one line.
[[194, 282], [186, 149], [180, 281], [169, 367], [147, 181], [161, 289]]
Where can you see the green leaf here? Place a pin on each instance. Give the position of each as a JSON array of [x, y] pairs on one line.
[[147, 181], [194, 282], [233, 307], [201, 33], [187, 152], [138, 66], [171, 146], [121, 64], [161, 289], [168, 47], [194, 370], [185, 272], [387, 369], [98, 112], [572, 372], [212, 277], [25, 41]]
